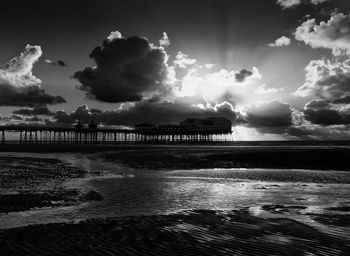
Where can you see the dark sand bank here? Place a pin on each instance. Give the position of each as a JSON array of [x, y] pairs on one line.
[[281, 155], [44, 148], [197, 232], [317, 158], [34, 182], [35, 173]]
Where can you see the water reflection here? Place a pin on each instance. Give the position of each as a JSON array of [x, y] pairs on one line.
[[139, 192], [168, 194]]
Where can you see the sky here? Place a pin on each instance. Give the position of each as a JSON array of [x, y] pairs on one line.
[[278, 69]]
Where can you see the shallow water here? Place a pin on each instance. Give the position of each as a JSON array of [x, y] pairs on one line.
[[297, 194]]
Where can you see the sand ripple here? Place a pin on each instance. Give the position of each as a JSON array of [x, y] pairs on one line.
[[196, 232]]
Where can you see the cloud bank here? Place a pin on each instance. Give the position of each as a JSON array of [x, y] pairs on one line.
[[154, 112]]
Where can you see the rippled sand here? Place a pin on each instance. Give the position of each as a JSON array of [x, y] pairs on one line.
[[197, 232]]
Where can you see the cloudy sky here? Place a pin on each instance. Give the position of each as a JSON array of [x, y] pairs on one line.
[[278, 69]]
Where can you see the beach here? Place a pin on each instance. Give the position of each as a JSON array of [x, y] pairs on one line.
[[183, 200]]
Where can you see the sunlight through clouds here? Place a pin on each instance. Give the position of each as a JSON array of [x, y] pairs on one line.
[[219, 86]]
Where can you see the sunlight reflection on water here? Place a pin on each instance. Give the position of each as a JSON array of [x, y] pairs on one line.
[[139, 192]]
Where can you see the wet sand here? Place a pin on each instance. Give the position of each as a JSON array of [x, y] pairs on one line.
[[231, 211]]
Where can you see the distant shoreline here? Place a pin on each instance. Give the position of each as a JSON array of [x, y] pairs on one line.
[[16, 147], [280, 155]]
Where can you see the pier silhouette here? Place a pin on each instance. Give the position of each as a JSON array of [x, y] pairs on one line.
[[189, 131]]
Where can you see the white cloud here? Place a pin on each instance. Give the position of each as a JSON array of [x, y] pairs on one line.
[[333, 34], [18, 71], [219, 86], [288, 3], [285, 4], [238, 87], [326, 79], [164, 41], [183, 61], [263, 90], [282, 41], [319, 1], [18, 86], [209, 66], [48, 61], [114, 35]]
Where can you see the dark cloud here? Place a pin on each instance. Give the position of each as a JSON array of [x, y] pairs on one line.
[[324, 116], [327, 81], [148, 111], [322, 113], [18, 86], [270, 114], [127, 69], [37, 110], [242, 75], [28, 96], [316, 132], [34, 119], [317, 104], [16, 119], [11, 117], [342, 100]]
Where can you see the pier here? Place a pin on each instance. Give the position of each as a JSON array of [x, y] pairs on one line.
[[59, 135]]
